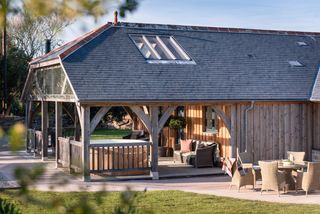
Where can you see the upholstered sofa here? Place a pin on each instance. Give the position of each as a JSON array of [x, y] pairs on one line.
[[199, 154]]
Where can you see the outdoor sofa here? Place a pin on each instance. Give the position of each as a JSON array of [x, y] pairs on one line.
[[197, 153]]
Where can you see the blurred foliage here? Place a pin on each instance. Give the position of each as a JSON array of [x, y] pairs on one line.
[[127, 204], [8, 208], [28, 177], [17, 73], [28, 33], [43, 19], [177, 122], [70, 9], [128, 5], [114, 114], [16, 136], [1, 133]]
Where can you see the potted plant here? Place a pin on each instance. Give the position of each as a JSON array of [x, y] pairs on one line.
[[174, 122], [177, 122]]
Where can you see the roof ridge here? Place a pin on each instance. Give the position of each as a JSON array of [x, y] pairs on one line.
[[85, 39], [90, 34], [216, 29]]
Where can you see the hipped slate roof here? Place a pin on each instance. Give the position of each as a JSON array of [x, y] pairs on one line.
[[231, 64]]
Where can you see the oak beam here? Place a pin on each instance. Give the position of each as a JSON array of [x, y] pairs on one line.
[[79, 111], [67, 110], [165, 117], [58, 127], [99, 115], [142, 116], [44, 128], [226, 120], [132, 116], [85, 139]]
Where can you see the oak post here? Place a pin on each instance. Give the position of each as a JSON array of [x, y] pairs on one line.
[[77, 127], [44, 128], [154, 139], [27, 115], [85, 138], [58, 120], [233, 146]]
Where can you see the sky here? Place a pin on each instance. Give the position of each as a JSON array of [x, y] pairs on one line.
[[298, 15]]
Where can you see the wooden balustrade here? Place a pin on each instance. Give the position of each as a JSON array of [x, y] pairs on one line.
[[76, 155], [120, 157], [70, 154], [115, 157]]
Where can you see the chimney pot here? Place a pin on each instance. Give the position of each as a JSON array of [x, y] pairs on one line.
[[115, 21], [48, 46]]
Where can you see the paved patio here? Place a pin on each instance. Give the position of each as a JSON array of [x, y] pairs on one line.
[[170, 169], [212, 185]]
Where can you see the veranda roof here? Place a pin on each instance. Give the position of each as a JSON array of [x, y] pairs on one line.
[[229, 64]]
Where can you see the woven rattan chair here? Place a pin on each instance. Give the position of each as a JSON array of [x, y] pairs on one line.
[[247, 162], [204, 156], [272, 179], [239, 180], [309, 180], [296, 157]]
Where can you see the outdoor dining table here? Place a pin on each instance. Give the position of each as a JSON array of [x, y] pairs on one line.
[[287, 169]]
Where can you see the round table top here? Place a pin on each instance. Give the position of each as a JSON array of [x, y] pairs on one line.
[[287, 166]]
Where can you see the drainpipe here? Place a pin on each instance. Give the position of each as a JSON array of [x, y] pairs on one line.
[[246, 124]]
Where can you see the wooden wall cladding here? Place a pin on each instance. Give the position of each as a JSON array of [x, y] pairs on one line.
[[272, 128], [194, 129]]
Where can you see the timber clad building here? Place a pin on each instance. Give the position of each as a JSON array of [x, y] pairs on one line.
[[251, 90]]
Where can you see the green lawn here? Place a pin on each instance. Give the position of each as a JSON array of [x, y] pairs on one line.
[[100, 134], [172, 202]]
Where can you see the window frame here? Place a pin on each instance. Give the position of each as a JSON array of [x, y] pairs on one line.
[[205, 129], [169, 54]]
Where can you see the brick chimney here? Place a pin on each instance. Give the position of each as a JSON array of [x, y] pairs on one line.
[[115, 21], [48, 46]]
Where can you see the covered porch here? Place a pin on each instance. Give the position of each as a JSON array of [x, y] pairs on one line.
[[111, 158]]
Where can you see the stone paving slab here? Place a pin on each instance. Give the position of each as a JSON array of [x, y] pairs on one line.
[[55, 180]]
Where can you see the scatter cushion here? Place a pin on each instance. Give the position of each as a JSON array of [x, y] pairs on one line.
[[201, 145], [241, 170], [185, 145], [193, 145]]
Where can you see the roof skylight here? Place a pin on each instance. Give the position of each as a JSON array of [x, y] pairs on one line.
[[302, 44], [160, 49], [295, 63]]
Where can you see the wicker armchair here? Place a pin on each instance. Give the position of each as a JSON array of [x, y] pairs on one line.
[[309, 180], [247, 162], [204, 156], [272, 179], [239, 180], [296, 157]]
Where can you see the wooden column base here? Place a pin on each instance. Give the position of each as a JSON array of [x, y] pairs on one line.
[[154, 175]]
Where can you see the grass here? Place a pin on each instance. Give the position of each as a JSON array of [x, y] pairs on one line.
[[100, 134], [165, 202]]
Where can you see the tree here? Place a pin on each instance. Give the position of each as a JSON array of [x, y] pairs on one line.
[[28, 33], [18, 68], [67, 9]]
